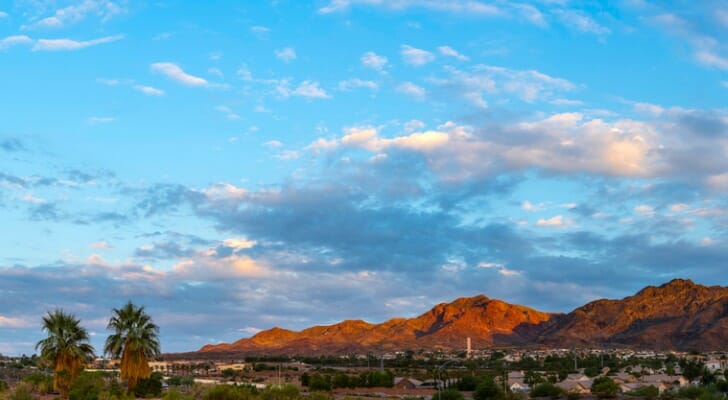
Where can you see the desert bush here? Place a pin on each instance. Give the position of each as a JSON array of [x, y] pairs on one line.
[[21, 391], [547, 389]]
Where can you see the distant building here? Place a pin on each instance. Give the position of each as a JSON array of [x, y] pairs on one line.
[[407, 383]]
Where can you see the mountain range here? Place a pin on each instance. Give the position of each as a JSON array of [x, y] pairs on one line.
[[678, 315]]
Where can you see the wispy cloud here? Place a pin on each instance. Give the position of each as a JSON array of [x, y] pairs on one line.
[[310, 89], [100, 120], [286, 54], [410, 89], [581, 22], [372, 60], [70, 44], [229, 113], [451, 6], [177, 74], [450, 52], [17, 40], [417, 57], [356, 83], [149, 90], [75, 13], [557, 221]]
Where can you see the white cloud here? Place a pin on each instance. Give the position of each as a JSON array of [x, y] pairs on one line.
[[500, 267], [528, 85], [528, 206], [372, 60], [564, 143], [311, 90], [287, 54], [259, 29], [450, 52], [451, 6], [11, 41], [413, 90], [75, 13], [287, 155], [100, 120], [3, 14], [273, 144], [581, 22], [175, 73], [356, 83], [250, 329], [224, 191], [29, 198], [557, 221], [102, 245], [239, 244], [710, 58], [109, 82], [724, 84], [229, 113], [149, 90], [413, 125], [16, 322], [648, 109], [531, 14], [644, 210], [417, 57], [70, 45]]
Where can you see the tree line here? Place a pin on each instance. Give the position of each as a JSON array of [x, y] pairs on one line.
[[66, 348]]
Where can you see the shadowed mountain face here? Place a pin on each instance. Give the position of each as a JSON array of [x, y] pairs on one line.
[[677, 315], [446, 326]]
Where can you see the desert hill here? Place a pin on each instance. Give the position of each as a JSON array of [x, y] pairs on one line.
[[677, 315]]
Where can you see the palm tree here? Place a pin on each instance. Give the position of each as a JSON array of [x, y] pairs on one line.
[[135, 339], [66, 348]]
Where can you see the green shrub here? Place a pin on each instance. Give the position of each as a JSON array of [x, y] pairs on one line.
[[149, 387], [228, 392], [649, 392], [604, 387], [320, 396], [285, 392], [488, 390], [547, 389], [690, 392], [22, 391], [40, 382], [173, 394], [86, 386]]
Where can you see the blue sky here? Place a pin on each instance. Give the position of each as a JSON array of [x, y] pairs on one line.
[[235, 166]]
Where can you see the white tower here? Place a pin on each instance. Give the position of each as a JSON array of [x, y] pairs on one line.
[[470, 350]]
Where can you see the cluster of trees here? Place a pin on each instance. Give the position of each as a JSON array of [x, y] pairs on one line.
[[66, 349], [326, 382]]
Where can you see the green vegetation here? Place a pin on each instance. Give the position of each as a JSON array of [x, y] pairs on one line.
[[488, 389], [22, 391], [648, 392], [547, 389], [326, 382], [87, 386], [65, 348], [135, 339], [604, 387]]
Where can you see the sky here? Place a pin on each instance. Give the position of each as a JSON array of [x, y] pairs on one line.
[[235, 166]]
